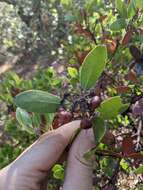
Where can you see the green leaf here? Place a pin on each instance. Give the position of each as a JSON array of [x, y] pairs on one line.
[[72, 72], [117, 25], [37, 101], [93, 66], [139, 4], [70, 18], [123, 108], [140, 186], [124, 164], [58, 171], [24, 120], [111, 107], [88, 155], [66, 2], [99, 129], [49, 118], [131, 9], [139, 170], [121, 8], [36, 119]]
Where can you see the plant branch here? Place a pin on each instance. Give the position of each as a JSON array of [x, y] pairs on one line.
[[113, 178], [108, 153], [139, 133]]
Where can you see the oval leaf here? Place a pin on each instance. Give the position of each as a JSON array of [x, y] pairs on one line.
[[121, 8], [131, 9], [111, 107], [24, 120], [93, 67], [123, 89], [139, 170], [118, 24], [127, 37], [37, 101], [99, 129]]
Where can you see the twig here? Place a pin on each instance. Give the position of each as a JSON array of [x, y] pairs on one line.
[[139, 133], [114, 175], [108, 153]]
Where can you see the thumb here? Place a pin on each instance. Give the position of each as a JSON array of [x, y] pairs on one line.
[[48, 148]]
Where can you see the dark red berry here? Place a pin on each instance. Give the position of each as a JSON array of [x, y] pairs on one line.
[[65, 116], [95, 102], [61, 118], [61, 109], [85, 123]]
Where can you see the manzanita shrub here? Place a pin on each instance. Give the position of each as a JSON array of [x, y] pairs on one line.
[[104, 92], [85, 103], [87, 106]]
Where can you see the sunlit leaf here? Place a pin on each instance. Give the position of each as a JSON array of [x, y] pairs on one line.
[[72, 72], [111, 107], [93, 67], [24, 120], [121, 8], [58, 172], [131, 9]]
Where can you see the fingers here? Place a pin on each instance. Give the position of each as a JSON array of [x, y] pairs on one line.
[[79, 170], [46, 151], [30, 168]]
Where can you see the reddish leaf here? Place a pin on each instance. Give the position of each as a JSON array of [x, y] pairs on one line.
[[127, 146], [109, 139], [123, 89], [82, 31], [127, 37], [102, 18], [15, 91], [111, 45], [83, 14], [106, 35], [131, 76], [81, 56], [78, 27]]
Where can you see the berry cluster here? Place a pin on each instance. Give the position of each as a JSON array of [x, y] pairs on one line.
[[82, 108]]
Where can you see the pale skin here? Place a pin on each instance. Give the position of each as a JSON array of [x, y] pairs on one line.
[[30, 170]]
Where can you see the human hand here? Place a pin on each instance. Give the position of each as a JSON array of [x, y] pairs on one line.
[[29, 171]]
